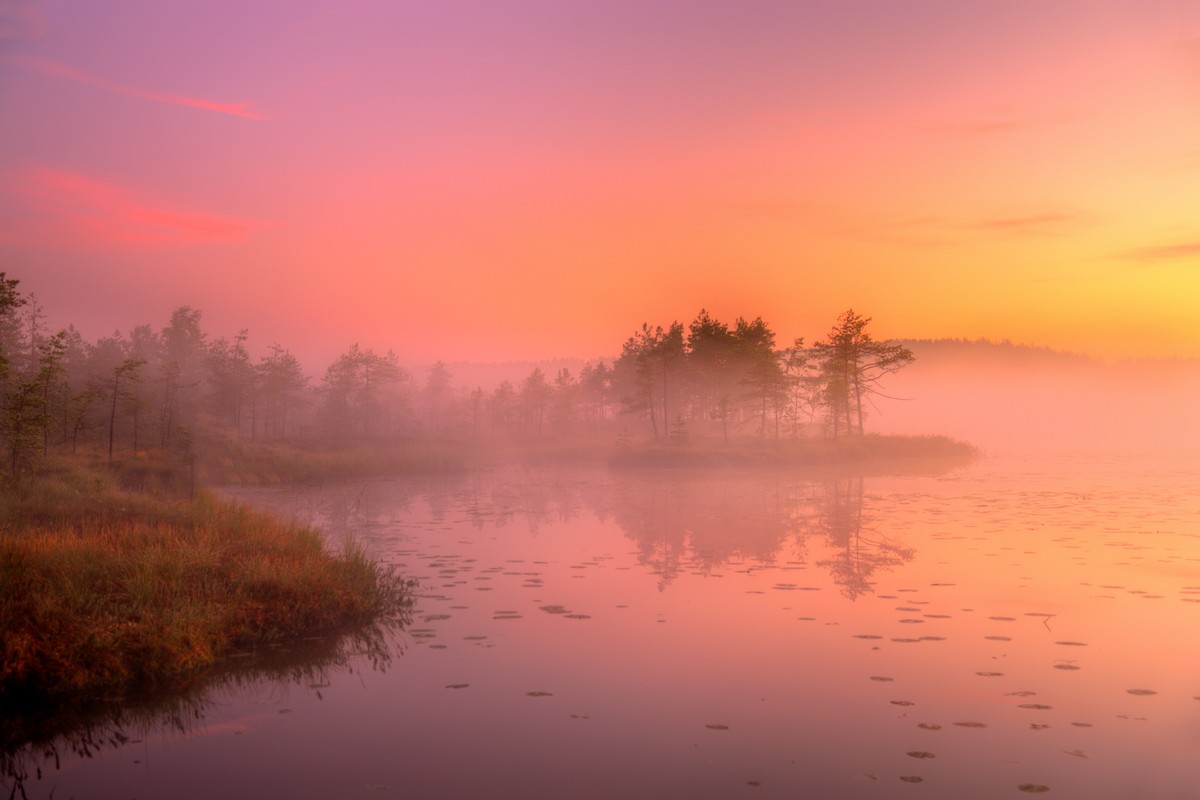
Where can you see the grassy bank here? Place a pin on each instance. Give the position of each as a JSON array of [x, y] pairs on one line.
[[241, 463], [106, 591], [228, 461]]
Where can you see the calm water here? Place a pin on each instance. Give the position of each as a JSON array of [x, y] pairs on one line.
[[1015, 626]]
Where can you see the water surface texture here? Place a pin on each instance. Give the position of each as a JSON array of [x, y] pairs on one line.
[[1017, 626]]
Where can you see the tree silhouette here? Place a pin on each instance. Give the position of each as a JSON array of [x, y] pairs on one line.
[[851, 366]]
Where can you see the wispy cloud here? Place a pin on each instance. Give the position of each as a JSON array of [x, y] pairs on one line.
[[1164, 252], [71, 208], [1044, 224], [928, 231], [48, 67]]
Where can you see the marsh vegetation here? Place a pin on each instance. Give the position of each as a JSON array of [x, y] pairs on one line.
[[110, 592]]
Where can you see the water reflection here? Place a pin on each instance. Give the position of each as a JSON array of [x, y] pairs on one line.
[[702, 524], [36, 741], [860, 550], [680, 522], [675, 634]]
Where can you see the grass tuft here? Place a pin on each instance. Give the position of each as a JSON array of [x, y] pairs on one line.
[[107, 591]]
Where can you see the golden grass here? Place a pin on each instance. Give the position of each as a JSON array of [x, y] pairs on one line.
[[232, 462], [102, 590]]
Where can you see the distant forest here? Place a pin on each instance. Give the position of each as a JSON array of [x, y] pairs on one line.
[[166, 389]]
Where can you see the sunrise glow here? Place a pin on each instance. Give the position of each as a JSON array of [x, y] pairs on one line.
[[535, 180]]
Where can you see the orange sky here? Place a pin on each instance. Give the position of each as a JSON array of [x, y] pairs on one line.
[[504, 180]]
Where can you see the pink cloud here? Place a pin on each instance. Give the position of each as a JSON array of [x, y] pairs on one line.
[[1048, 223], [69, 207], [55, 69], [1164, 252]]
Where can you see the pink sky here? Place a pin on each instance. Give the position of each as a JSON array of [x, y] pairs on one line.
[[504, 180]]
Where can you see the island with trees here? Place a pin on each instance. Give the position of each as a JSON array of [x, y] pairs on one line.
[[175, 404]]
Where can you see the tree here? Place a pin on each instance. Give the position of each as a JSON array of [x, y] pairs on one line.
[[50, 381], [477, 398], [797, 384], [565, 404], [439, 396], [282, 382], [535, 392], [595, 385], [10, 301], [125, 373], [501, 407], [360, 390], [33, 391], [181, 372], [759, 367], [232, 378], [851, 365], [651, 363], [711, 368]]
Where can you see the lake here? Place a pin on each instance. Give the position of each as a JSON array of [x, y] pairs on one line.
[[1016, 626]]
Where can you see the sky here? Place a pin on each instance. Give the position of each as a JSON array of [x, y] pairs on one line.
[[524, 180]]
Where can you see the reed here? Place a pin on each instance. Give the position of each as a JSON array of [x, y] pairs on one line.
[[108, 591]]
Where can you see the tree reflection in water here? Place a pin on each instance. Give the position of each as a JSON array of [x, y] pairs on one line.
[[860, 548], [680, 520], [700, 523]]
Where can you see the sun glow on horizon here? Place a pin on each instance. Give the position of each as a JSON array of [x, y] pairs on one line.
[[533, 186]]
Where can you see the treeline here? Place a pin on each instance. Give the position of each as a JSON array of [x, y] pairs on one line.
[[168, 389]]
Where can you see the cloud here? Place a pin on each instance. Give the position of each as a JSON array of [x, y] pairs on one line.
[[936, 231], [62, 207], [47, 67], [1045, 224], [1164, 252]]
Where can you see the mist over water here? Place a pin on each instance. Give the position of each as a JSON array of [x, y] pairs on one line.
[[307, 255], [820, 610], [1012, 400], [1012, 626]]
